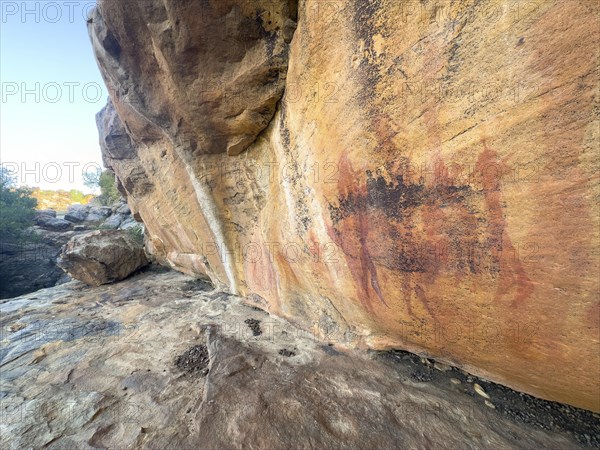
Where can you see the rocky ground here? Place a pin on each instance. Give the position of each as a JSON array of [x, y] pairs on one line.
[[163, 361]]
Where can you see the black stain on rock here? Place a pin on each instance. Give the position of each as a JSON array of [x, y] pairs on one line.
[[422, 375], [426, 227], [197, 285], [396, 200], [365, 29], [112, 46], [254, 325], [330, 350], [194, 360]]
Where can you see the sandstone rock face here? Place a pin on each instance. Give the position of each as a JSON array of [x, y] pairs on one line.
[[221, 65], [101, 257], [428, 180]]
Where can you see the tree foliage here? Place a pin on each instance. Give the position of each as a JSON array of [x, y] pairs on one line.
[[106, 181], [91, 179], [108, 188], [77, 196], [17, 209]]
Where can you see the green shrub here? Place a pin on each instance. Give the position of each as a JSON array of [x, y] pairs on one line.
[[108, 188], [106, 180], [17, 210], [137, 232], [77, 196]]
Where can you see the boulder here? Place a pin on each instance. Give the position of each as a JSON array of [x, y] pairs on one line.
[[77, 213], [55, 238], [101, 211], [52, 224], [123, 209], [45, 212], [94, 219], [113, 221], [101, 257]]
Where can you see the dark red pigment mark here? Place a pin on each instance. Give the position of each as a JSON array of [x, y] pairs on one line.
[[423, 299], [368, 270], [511, 269], [449, 216], [362, 268], [360, 211], [360, 206]]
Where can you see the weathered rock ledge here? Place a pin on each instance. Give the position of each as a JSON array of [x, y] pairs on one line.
[[111, 367]]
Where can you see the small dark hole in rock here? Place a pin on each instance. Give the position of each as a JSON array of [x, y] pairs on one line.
[[287, 353]]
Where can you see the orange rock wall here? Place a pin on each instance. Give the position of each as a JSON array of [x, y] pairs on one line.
[[393, 175]]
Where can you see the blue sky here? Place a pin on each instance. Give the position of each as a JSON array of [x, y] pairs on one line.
[[51, 90]]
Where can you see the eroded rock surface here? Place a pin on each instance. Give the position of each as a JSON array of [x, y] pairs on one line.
[[103, 256], [124, 366], [428, 180], [206, 75]]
